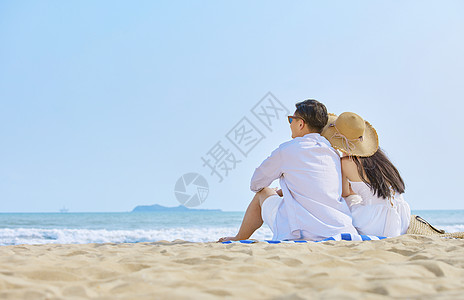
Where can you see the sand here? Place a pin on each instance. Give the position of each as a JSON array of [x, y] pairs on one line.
[[404, 267]]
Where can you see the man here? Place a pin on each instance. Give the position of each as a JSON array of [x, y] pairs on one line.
[[309, 170]]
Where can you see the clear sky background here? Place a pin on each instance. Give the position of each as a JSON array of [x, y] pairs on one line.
[[105, 104]]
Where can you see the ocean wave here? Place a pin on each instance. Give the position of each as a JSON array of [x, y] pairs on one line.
[[452, 228], [30, 236]]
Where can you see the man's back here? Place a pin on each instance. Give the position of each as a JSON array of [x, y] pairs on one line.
[[310, 177]]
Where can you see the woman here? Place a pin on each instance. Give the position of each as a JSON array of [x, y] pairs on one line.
[[372, 186]]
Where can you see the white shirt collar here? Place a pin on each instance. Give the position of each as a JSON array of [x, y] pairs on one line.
[[313, 135], [318, 137]]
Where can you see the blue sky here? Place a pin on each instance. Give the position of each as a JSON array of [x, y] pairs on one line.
[[104, 105]]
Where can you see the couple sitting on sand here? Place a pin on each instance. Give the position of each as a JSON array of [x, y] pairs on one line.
[[322, 194]]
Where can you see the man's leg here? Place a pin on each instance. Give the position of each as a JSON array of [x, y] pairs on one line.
[[252, 219]]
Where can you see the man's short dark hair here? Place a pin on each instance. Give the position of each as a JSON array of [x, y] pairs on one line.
[[314, 113]]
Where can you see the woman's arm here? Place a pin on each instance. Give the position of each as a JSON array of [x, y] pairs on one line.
[[346, 188], [347, 168]]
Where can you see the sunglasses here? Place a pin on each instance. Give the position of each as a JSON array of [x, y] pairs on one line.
[[290, 119]]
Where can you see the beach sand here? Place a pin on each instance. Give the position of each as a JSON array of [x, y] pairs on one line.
[[404, 267]]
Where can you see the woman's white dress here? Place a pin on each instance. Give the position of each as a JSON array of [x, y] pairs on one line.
[[374, 215]]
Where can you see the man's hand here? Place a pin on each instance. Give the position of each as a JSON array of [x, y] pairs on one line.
[[278, 191]]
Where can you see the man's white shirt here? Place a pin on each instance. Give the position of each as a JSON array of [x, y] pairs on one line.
[[309, 172]]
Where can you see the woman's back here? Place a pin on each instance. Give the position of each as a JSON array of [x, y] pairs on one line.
[[373, 215], [377, 209], [371, 184]]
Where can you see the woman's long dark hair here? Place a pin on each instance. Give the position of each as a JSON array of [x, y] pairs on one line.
[[380, 173]]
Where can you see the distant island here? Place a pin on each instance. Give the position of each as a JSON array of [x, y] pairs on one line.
[[156, 207]]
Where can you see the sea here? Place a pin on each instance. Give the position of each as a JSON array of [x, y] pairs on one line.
[[135, 227]]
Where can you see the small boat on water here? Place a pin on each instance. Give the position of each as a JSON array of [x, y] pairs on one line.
[[64, 210]]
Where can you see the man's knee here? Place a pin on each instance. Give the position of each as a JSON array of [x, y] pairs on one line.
[[264, 194]]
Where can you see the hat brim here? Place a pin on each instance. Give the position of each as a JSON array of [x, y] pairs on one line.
[[367, 147]]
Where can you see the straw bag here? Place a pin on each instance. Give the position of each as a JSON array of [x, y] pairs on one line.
[[422, 227]]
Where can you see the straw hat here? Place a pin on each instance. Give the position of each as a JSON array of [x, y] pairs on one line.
[[351, 134], [422, 227]]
